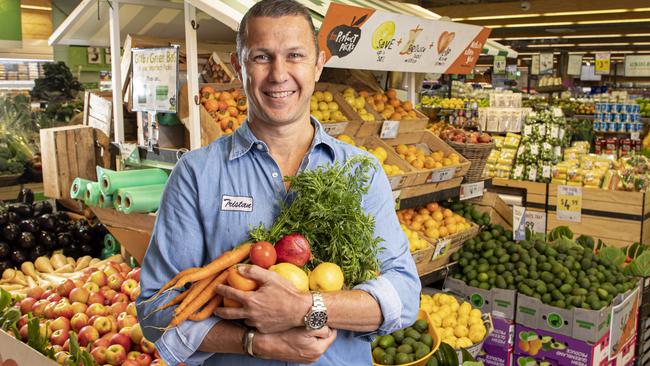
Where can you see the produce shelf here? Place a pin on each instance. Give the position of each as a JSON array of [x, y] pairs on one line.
[[412, 197], [583, 116], [10, 193], [551, 89], [437, 274]]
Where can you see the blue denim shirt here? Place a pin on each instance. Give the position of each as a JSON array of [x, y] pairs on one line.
[[197, 221]]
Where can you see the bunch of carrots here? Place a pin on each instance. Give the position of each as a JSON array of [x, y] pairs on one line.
[[200, 300]]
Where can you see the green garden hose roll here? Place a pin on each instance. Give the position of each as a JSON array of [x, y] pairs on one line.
[[111, 246], [112, 181], [105, 200], [142, 200], [92, 194], [78, 188]]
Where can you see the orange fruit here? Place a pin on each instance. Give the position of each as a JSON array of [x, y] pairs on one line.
[[443, 231], [452, 229], [238, 281], [447, 213], [438, 216], [432, 206]]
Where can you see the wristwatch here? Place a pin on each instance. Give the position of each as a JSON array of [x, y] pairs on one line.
[[316, 318]]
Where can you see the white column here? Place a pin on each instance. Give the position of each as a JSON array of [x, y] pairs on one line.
[[116, 74], [194, 122]]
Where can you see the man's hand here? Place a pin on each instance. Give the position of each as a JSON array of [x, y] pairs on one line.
[[275, 306], [296, 345]]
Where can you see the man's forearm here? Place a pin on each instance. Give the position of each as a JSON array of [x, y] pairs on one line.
[[353, 310], [224, 337]]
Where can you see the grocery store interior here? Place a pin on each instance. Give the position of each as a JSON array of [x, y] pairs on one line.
[[515, 136]]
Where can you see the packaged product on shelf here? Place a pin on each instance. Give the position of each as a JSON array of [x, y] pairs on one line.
[[511, 140], [498, 141]]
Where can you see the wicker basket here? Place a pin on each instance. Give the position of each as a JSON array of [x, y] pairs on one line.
[[477, 154]]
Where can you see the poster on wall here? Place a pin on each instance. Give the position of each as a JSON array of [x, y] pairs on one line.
[[499, 65], [534, 65], [361, 38], [575, 65], [637, 65], [602, 63], [155, 79], [546, 64], [93, 55]]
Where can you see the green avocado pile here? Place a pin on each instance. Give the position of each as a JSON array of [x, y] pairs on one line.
[[469, 212], [561, 273], [403, 346]]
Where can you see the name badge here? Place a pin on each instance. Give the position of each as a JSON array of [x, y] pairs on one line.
[[235, 203]]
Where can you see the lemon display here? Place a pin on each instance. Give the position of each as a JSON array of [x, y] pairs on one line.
[[383, 35], [358, 103], [323, 107], [458, 324], [379, 152], [415, 241]]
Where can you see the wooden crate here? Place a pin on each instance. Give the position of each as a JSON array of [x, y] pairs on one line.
[[535, 193], [618, 218], [434, 143], [500, 213], [422, 257], [353, 123], [98, 111], [396, 181], [67, 152], [447, 246], [132, 231]]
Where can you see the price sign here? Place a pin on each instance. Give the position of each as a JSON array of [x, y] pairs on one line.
[[519, 222], [536, 221], [569, 203], [534, 149], [528, 130], [396, 194], [396, 181], [389, 129], [557, 112], [635, 135], [546, 171], [441, 175], [441, 248], [542, 130], [555, 132], [471, 190], [602, 63], [335, 129]]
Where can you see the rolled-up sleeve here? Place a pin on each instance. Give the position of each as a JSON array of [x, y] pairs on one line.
[[397, 289], [177, 243]]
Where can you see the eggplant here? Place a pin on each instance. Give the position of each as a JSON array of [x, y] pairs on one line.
[[26, 240], [37, 251], [46, 222], [47, 240], [13, 217], [4, 218], [22, 209], [11, 232], [64, 240], [41, 208], [4, 264], [62, 227], [5, 250], [84, 234], [73, 250], [26, 196], [62, 216], [86, 249], [28, 225], [18, 256]]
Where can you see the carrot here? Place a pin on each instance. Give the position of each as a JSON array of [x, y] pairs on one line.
[[224, 261], [194, 291], [207, 310], [180, 274], [200, 300], [175, 300]]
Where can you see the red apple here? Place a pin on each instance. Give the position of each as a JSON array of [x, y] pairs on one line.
[[108, 293], [22, 320], [96, 298], [78, 321], [115, 281], [126, 331], [96, 309], [64, 289], [133, 355], [79, 294], [131, 309], [23, 332], [49, 310], [147, 346], [134, 274], [99, 278], [59, 337], [60, 323], [118, 308], [126, 320], [111, 269], [115, 354], [78, 307], [124, 268], [103, 325], [88, 334], [47, 294], [91, 287], [136, 334], [99, 354], [27, 304], [102, 342], [120, 297], [134, 294], [63, 309], [121, 339], [144, 359], [130, 363], [54, 297], [35, 292], [66, 345], [38, 309]]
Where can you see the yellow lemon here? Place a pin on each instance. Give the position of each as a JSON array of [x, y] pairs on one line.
[[475, 313], [461, 331], [294, 274], [326, 277]]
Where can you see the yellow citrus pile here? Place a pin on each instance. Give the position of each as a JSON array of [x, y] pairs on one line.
[[379, 152], [415, 241], [358, 103], [325, 109], [421, 160], [433, 221], [389, 106], [458, 325]]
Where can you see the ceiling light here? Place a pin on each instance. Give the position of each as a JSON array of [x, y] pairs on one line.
[[595, 36], [585, 12], [611, 21], [34, 7], [640, 9], [640, 43], [523, 25], [490, 17], [603, 44], [637, 35], [525, 38], [577, 53], [551, 45]]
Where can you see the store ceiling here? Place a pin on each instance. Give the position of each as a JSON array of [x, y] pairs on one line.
[[620, 26]]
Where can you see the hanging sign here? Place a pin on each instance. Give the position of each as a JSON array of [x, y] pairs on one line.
[[546, 64], [569, 203], [155, 79], [499, 65], [11, 31], [360, 38], [602, 64], [637, 65], [575, 65], [534, 65]]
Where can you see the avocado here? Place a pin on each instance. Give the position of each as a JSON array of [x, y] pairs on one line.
[[558, 345]]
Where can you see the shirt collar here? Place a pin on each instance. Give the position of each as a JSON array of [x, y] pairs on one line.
[[243, 140]]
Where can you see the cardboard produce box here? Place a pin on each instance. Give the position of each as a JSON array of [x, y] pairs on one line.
[[21, 354], [499, 302]]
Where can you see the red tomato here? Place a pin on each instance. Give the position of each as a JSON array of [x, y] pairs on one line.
[[263, 254]]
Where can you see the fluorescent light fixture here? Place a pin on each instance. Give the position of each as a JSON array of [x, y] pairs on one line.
[[34, 7], [637, 35], [586, 12], [640, 43], [577, 53], [523, 25], [593, 36], [640, 9], [490, 17], [525, 38], [603, 44], [612, 21], [552, 45]]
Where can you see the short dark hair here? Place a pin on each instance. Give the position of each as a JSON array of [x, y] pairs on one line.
[[273, 9]]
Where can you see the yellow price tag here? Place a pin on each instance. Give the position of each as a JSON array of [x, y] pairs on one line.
[[569, 203]]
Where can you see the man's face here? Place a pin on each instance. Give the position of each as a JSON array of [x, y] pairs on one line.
[[279, 68]]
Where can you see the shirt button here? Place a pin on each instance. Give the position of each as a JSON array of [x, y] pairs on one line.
[[274, 175], [259, 147]]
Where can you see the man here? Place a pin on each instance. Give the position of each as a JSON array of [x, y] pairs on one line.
[[278, 62]]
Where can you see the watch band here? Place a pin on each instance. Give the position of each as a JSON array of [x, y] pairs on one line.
[[248, 342], [318, 303]]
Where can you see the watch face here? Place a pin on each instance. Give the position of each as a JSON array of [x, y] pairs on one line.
[[317, 319]]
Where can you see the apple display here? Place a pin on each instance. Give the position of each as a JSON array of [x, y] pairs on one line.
[[59, 337], [103, 325], [88, 334], [60, 323], [121, 339], [79, 294], [99, 354], [115, 354]]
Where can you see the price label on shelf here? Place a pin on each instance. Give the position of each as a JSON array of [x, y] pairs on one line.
[[389, 129], [569, 203], [635, 135], [442, 175], [555, 132], [335, 129], [534, 149], [441, 248], [557, 112], [396, 197], [528, 130], [546, 171], [471, 190]]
